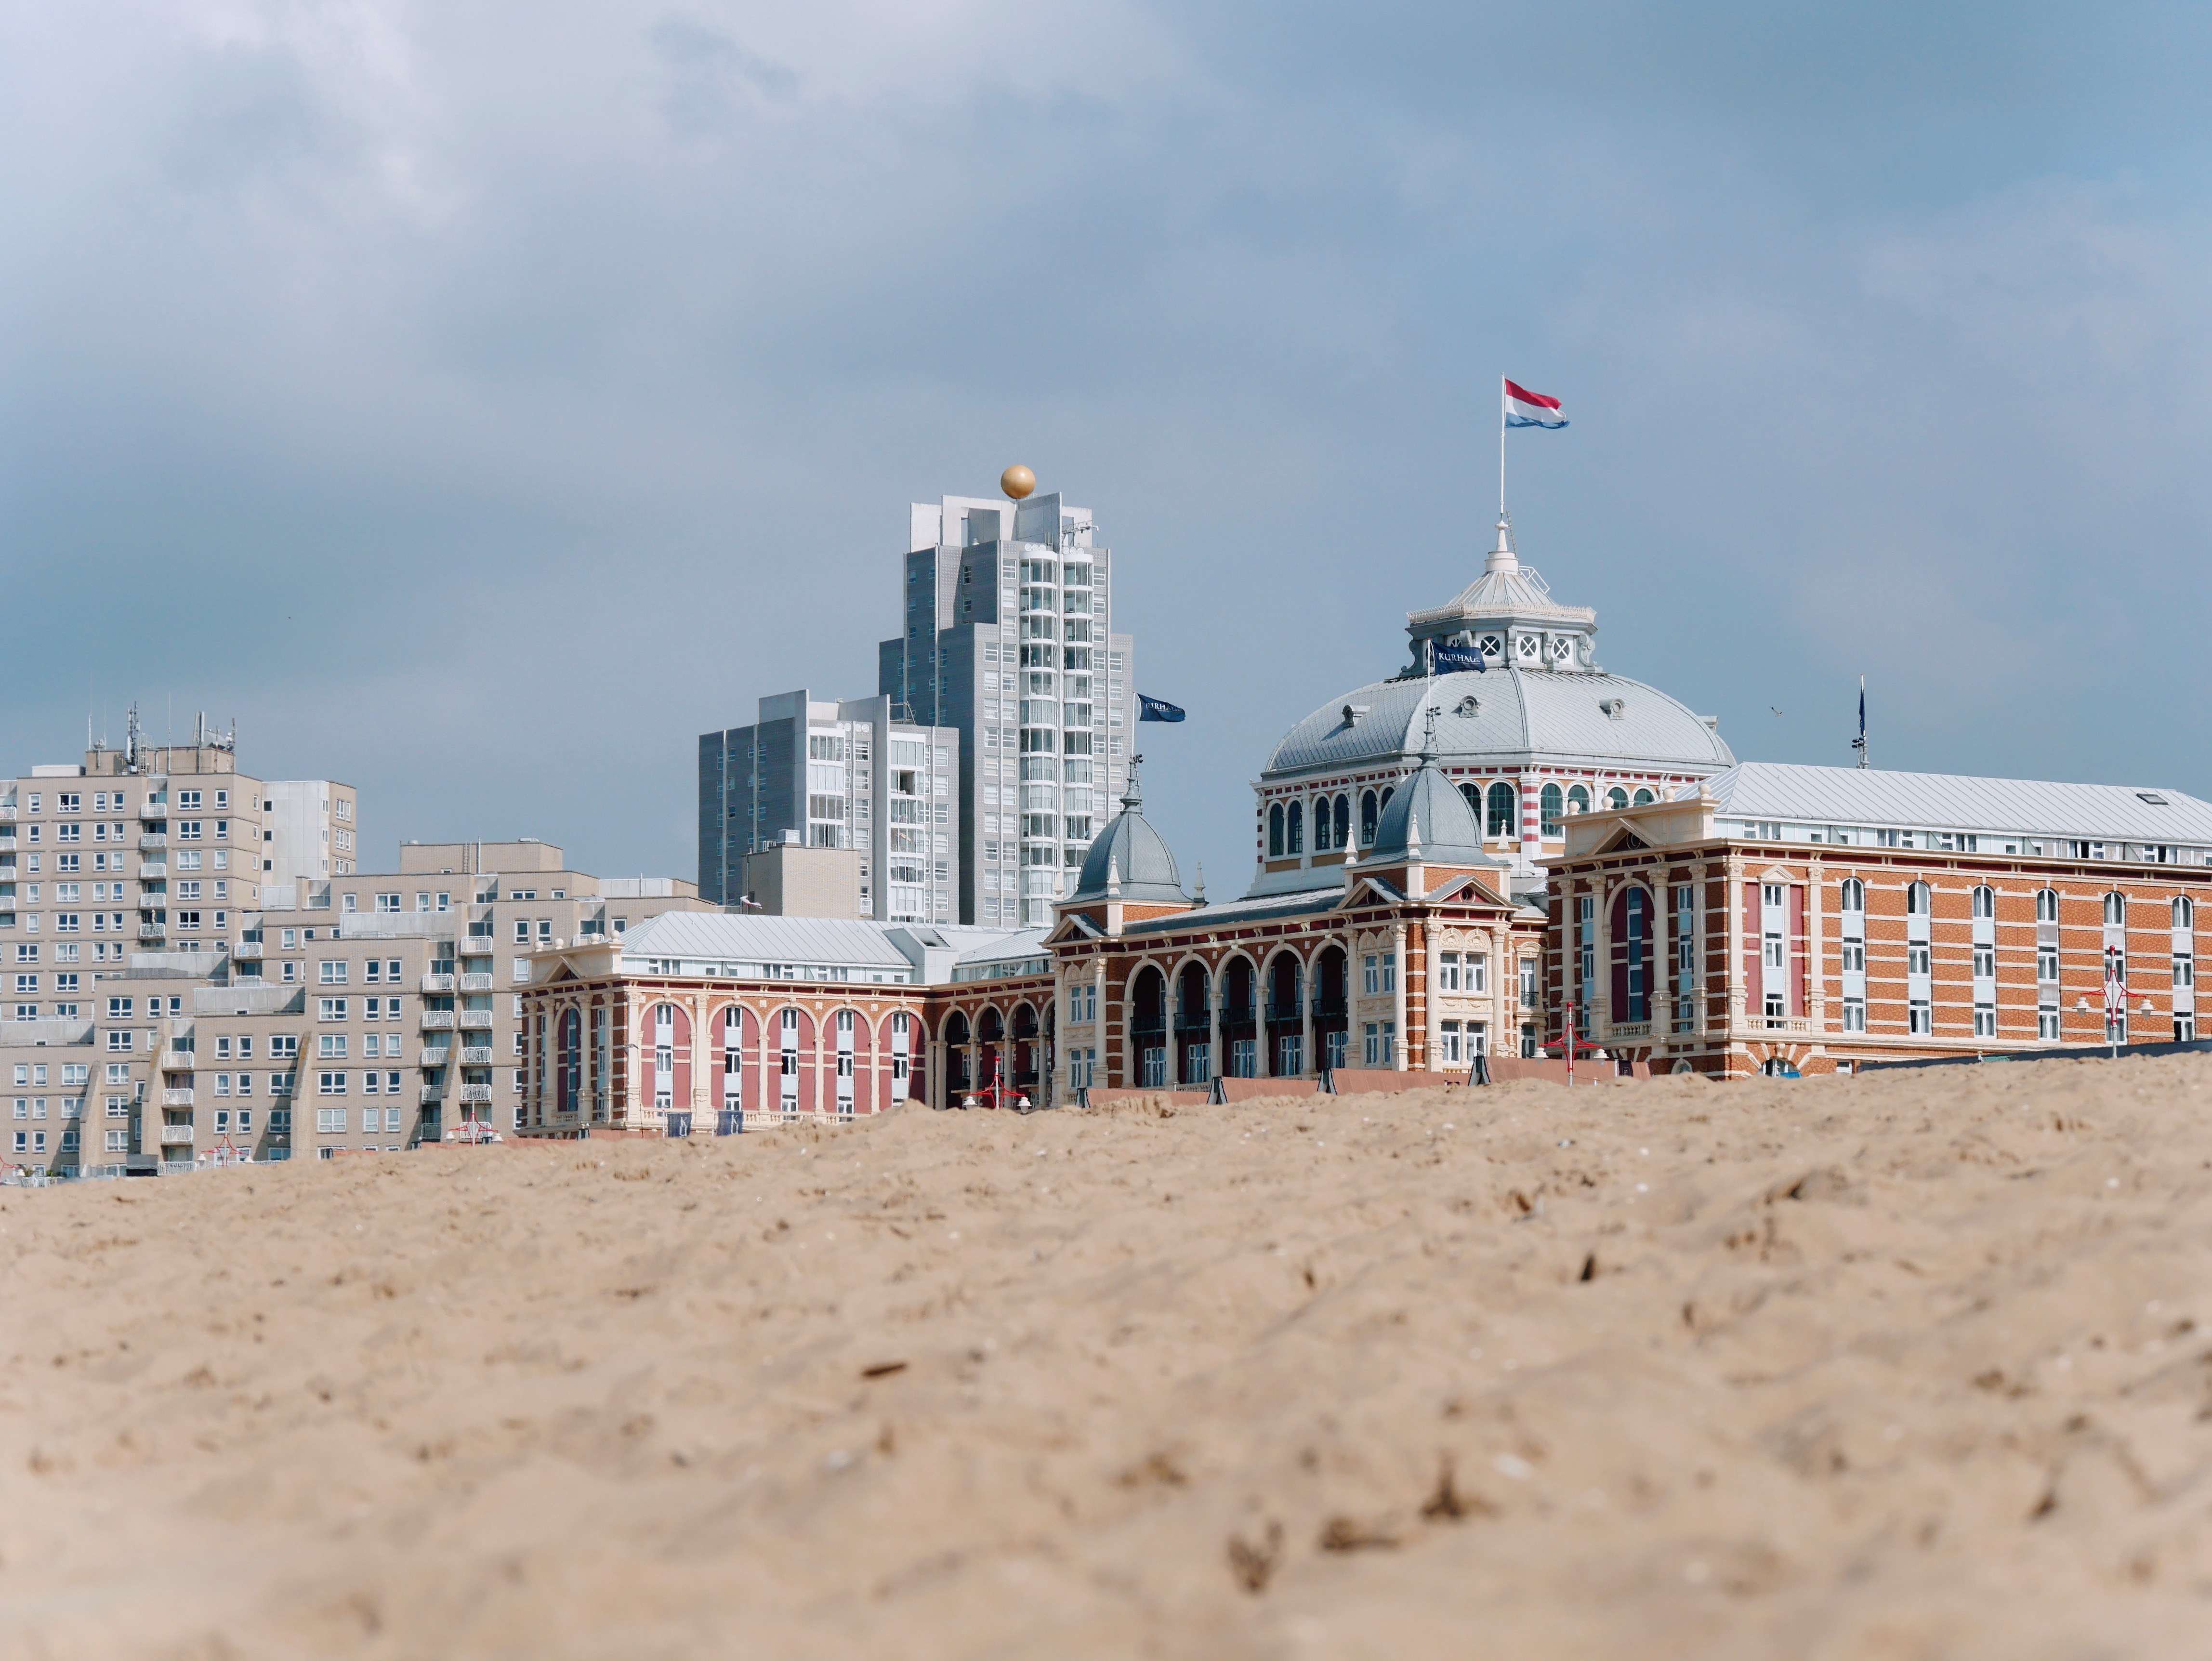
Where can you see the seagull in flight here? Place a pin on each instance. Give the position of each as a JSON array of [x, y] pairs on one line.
[[1776, 711]]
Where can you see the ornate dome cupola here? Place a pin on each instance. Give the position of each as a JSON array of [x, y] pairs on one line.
[[1508, 614], [1130, 861]]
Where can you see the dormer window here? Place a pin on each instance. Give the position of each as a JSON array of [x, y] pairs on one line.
[[1491, 646], [1562, 649], [1525, 647]]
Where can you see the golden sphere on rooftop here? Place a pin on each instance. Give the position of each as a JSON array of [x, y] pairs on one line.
[[1018, 481]]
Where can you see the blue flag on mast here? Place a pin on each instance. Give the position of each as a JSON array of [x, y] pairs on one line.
[[1158, 709], [1445, 659]]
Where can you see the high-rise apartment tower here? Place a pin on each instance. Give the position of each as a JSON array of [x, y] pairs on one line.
[[1008, 638]]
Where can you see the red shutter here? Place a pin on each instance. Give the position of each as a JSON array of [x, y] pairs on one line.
[[1754, 982]]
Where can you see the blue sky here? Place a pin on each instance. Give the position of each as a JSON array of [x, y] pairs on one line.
[[479, 402]]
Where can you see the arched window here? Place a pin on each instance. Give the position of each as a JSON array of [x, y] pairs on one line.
[[1320, 824], [1916, 900], [1343, 820], [568, 1065], [1369, 810], [2046, 905], [2116, 909], [1388, 791], [2185, 912], [1577, 800], [1643, 798], [1505, 810], [1294, 835], [1473, 793], [1549, 803], [1616, 797], [1275, 831], [1986, 901], [1854, 897]]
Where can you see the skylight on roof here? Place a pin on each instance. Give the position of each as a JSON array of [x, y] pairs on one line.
[[2153, 798]]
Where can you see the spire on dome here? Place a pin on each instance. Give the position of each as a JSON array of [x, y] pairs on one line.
[[1134, 797], [1503, 557]]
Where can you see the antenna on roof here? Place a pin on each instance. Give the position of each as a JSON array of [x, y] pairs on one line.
[[1859, 743]]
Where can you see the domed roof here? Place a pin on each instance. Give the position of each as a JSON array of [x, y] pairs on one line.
[[1429, 806], [1143, 866], [1502, 716]]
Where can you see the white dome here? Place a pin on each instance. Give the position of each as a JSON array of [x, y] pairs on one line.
[[1503, 717]]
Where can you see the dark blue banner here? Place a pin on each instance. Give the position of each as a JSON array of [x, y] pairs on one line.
[[1446, 659], [1158, 709]]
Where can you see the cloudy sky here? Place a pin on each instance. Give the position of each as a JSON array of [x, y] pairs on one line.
[[477, 402]]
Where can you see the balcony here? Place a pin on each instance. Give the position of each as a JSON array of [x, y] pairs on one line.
[[176, 1135], [176, 1098], [155, 842], [437, 1020], [436, 985], [7, 811], [476, 1055], [153, 931], [246, 951], [475, 1095], [176, 1060], [1792, 1023], [476, 982], [395, 925], [153, 807], [1622, 1031], [153, 870], [475, 1020], [435, 1055], [432, 1095]]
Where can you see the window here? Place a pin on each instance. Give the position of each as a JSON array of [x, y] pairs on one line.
[[1985, 963], [2046, 963], [330, 1084], [330, 1009], [1854, 1015], [389, 902], [1986, 901], [1370, 979], [2046, 905], [2116, 910], [1380, 1044], [1918, 1018], [1447, 1042], [1985, 1020], [1916, 958], [1578, 799], [1548, 806], [1370, 811], [1616, 797], [1916, 900], [1854, 895], [1505, 817], [331, 974], [1275, 831], [1447, 972]]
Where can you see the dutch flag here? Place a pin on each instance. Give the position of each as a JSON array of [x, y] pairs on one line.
[[1528, 408]]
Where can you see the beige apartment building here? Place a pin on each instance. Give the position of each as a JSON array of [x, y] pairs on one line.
[[350, 1013]]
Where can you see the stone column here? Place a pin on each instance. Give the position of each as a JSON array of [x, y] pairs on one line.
[[1098, 1012], [1816, 987], [1601, 988], [1662, 960], [1401, 971], [1732, 882], [1214, 1068], [1309, 989]]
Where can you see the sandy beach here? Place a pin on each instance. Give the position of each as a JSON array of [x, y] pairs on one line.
[[1910, 1365]]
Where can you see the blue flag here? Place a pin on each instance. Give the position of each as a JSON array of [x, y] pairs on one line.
[[1158, 709], [1447, 660]]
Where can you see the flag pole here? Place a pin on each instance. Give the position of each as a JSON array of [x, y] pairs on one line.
[[1501, 446]]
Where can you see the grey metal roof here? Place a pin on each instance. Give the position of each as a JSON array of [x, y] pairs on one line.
[[1849, 796], [1521, 714], [1022, 943], [727, 938], [1244, 910]]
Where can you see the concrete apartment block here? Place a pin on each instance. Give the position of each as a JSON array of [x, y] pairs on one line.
[[850, 775], [787, 880]]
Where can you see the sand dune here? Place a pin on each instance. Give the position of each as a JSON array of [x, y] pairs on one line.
[[1904, 1366]]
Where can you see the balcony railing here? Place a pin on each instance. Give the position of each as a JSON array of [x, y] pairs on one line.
[[1620, 1032], [176, 1135], [176, 1098], [155, 843], [436, 985], [153, 870], [478, 982], [475, 1020], [1282, 1011], [1325, 1007], [176, 1060], [7, 811], [433, 1094], [436, 1056], [153, 807], [246, 951], [437, 1020], [476, 1055], [1784, 1023], [475, 1095], [153, 931]]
